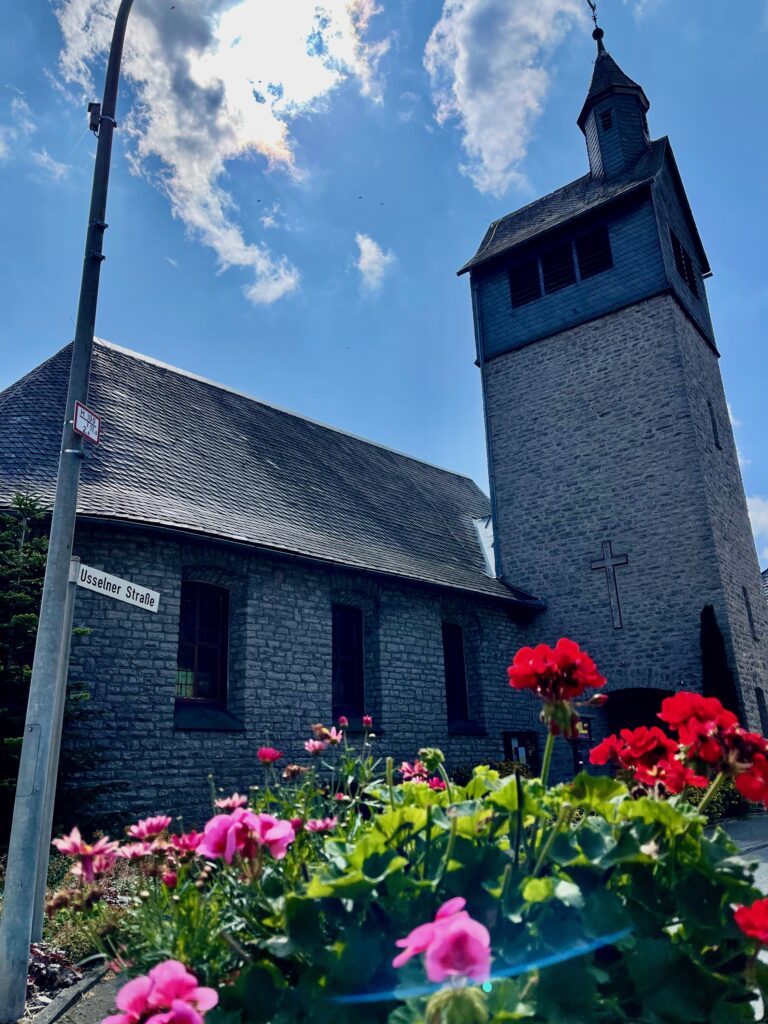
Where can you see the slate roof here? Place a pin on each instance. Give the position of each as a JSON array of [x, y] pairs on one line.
[[181, 452], [572, 200], [607, 77]]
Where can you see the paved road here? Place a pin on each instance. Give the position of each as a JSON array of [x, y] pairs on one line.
[[752, 836]]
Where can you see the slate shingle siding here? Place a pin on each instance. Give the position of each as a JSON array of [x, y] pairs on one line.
[[280, 667], [599, 433], [638, 271]]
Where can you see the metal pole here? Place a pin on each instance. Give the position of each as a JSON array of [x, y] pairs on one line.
[[44, 852], [21, 874]]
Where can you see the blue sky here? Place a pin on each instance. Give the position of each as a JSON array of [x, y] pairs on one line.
[[294, 186]]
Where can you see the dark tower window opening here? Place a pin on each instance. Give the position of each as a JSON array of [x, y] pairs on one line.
[[750, 617], [348, 672], [593, 251], [684, 264], [201, 670], [713, 421], [524, 283], [455, 673], [558, 269], [606, 120], [762, 709]]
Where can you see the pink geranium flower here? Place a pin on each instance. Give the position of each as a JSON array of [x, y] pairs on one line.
[[416, 772], [315, 747], [321, 824], [367, 721], [343, 721], [335, 736], [231, 803], [187, 842], [243, 832], [268, 755], [454, 944], [135, 851], [148, 828], [436, 783], [169, 987], [92, 858]]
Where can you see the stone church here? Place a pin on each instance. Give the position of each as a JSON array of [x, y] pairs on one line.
[[305, 573]]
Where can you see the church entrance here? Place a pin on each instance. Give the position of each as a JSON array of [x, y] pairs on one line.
[[635, 706]]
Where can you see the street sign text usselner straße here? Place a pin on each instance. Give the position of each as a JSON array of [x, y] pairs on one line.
[[121, 590]]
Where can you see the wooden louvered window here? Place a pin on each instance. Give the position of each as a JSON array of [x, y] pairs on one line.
[[557, 267], [684, 264], [593, 252], [713, 422], [455, 673], [524, 283], [606, 120], [348, 663], [201, 673]]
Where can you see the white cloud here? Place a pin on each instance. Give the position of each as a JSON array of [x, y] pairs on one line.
[[744, 461], [219, 80], [372, 262], [174, 263], [21, 126], [758, 513], [55, 170], [641, 8], [487, 60], [269, 219]]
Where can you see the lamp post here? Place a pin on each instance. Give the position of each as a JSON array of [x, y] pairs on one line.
[[39, 728]]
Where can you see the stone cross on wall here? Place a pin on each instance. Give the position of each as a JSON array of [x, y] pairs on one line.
[[608, 563]]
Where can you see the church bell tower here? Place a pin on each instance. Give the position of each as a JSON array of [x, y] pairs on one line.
[[615, 484]]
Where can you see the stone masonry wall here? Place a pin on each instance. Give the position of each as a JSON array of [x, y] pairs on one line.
[[727, 506], [280, 667], [593, 439]]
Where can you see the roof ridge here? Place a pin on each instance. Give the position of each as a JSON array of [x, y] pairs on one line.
[[279, 408]]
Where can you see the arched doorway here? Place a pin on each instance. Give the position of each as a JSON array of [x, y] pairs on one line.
[[635, 706]]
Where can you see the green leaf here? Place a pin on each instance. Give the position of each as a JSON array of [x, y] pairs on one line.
[[538, 890], [597, 792]]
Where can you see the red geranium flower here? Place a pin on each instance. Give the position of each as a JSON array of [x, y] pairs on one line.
[[557, 675], [753, 783], [753, 920]]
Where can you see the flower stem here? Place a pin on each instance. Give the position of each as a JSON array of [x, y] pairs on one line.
[[563, 816], [547, 759], [444, 776], [391, 782], [713, 788]]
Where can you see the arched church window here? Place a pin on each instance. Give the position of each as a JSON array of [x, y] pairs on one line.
[[201, 671]]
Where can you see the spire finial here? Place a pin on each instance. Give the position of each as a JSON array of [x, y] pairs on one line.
[[598, 34]]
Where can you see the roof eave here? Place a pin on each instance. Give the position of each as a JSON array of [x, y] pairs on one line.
[[478, 261]]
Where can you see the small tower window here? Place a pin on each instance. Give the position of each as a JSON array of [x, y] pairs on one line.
[[684, 263], [606, 120], [593, 252], [713, 421], [762, 710], [558, 269], [750, 616], [524, 283]]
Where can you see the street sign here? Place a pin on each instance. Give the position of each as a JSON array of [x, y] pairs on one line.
[[121, 590], [86, 423]]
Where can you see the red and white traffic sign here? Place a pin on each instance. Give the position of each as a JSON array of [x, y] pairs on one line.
[[87, 423]]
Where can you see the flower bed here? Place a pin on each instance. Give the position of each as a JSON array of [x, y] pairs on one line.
[[340, 893]]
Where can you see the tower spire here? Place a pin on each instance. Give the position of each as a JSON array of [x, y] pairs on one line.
[[598, 34]]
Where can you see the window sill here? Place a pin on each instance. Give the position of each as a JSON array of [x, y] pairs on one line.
[[466, 729], [192, 717]]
